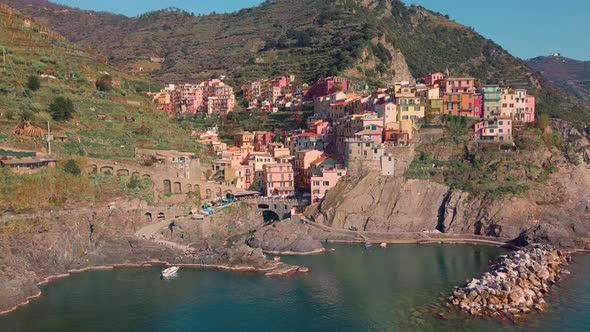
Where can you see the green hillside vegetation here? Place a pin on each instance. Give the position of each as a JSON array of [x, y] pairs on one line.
[[105, 124], [308, 38]]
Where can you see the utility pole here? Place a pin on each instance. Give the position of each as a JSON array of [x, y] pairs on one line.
[[49, 138]]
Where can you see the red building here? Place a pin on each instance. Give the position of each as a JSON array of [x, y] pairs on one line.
[[326, 86]]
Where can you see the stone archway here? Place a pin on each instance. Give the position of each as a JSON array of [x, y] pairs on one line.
[[229, 194], [147, 176], [167, 186], [148, 217], [189, 188], [135, 175], [161, 216], [270, 216], [106, 170], [123, 172], [218, 192], [208, 194], [177, 188]]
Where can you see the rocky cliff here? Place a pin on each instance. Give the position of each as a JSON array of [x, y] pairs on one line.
[[37, 247], [394, 204]]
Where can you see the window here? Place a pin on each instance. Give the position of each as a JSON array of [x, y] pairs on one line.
[[339, 173], [492, 131], [326, 183], [500, 130], [501, 123]]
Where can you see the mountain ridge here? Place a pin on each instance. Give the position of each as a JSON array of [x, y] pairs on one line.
[[369, 41]]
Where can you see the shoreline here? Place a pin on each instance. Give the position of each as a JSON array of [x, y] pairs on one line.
[[434, 241], [268, 270], [283, 270]]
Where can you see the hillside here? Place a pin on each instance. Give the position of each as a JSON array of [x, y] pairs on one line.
[[572, 75], [106, 124], [372, 41]]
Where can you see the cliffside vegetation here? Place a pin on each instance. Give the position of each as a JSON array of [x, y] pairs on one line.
[[66, 185], [309, 38], [46, 79], [493, 171]]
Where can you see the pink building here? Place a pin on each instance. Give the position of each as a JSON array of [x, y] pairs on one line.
[[278, 180], [460, 85], [320, 184], [319, 127], [518, 105], [376, 135], [262, 139], [244, 177], [302, 166], [496, 130], [430, 79]]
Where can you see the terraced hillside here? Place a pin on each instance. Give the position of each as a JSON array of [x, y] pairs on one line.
[[572, 75], [106, 124], [371, 41]]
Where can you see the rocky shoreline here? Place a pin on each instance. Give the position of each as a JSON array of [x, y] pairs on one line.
[[272, 269], [516, 285]]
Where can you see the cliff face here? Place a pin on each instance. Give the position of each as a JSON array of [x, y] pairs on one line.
[[380, 204], [33, 248]]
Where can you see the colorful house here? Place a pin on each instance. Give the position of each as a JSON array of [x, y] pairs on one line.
[[495, 130], [462, 104], [278, 180], [459, 85], [326, 180]]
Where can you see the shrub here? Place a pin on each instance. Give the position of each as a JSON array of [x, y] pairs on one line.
[[26, 115], [61, 109], [104, 83], [33, 83], [72, 167]]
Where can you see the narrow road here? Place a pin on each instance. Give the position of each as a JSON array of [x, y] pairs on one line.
[[152, 229]]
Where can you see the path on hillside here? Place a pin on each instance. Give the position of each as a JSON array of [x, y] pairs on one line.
[[410, 237]]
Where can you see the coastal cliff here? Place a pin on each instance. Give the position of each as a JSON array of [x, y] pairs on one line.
[[37, 248], [374, 203]]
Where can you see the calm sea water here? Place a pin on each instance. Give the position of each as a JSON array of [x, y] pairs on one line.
[[401, 288]]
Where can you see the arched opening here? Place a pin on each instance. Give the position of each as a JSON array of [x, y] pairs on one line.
[[189, 188], [147, 176], [167, 186], [135, 175], [270, 217], [208, 194], [218, 193], [148, 217], [197, 189], [229, 194], [177, 188], [122, 172], [106, 170], [161, 216]]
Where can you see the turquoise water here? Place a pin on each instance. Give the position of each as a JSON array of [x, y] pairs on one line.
[[400, 288]]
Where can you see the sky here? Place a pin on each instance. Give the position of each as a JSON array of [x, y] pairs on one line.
[[526, 28]]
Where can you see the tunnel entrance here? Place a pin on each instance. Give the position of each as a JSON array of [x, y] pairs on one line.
[[270, 217]]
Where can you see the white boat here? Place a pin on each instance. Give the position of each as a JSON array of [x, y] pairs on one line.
[[169, 272]]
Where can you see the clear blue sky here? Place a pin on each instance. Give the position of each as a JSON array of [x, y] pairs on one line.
[[526, 28]]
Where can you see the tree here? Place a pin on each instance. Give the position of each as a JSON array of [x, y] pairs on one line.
[[33, 83], [72, 167], [26, 115], [104, 83], [61, 109]]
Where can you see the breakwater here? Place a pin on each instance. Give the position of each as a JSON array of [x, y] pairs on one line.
[[516, 285]]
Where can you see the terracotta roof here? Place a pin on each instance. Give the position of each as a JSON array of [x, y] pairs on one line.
[[308, 134], [319, 160]]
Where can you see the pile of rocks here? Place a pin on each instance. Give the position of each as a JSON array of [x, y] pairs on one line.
[[516, 284]]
